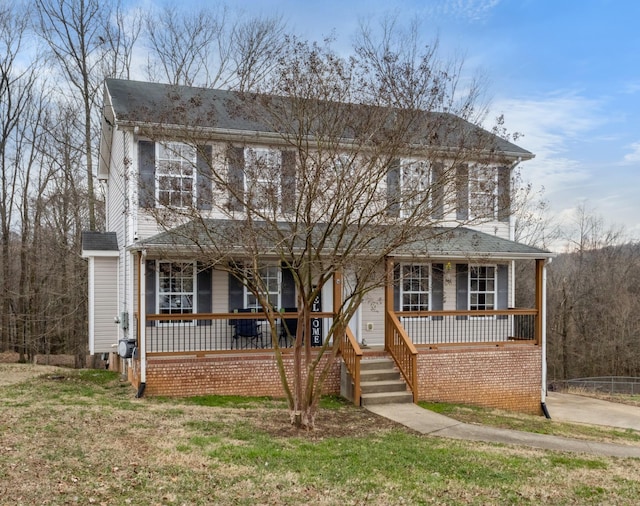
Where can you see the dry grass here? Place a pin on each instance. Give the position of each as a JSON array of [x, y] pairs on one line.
[[82, 438]]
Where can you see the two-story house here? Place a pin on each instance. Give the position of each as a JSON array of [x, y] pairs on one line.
[[178, 165]]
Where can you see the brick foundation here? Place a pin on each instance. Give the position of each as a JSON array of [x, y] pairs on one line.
[[251, 374], [505, 377]]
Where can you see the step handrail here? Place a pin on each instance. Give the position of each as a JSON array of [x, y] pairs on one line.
[[402, 351]]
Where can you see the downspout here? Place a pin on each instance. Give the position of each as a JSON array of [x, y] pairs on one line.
[[142, 321], [543, 398]]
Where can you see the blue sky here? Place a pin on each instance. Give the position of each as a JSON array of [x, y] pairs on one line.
[[565, 73]]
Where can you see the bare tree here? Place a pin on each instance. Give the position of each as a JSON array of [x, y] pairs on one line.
[[75, 33], [189, 47], [18, 89], [326, 202], [121, 34], [211, 47]]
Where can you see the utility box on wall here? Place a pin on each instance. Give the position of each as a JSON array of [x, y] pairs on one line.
[[126, 347], [124, 320]]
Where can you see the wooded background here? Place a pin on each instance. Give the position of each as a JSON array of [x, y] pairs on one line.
[[54, 57]]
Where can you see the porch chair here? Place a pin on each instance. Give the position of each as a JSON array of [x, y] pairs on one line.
[[247, 329], [288, 327]]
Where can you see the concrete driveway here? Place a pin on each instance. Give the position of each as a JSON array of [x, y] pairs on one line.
[[582, 409]]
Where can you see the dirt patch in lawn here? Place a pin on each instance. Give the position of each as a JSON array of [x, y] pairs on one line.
[[11, 374]]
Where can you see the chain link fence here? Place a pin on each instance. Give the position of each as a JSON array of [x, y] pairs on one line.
[[604, 384]]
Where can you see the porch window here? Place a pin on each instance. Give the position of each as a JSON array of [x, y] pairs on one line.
[[270, 279], [176, 287], [175, 174], [263, 178], [415, 287], [415, 179], [483, 191], [482, 287]]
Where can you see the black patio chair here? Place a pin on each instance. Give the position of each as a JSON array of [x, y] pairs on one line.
[[247, 328]]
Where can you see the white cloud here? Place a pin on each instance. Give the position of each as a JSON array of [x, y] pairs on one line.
[[634, 156], [470, 10], [549, 126]]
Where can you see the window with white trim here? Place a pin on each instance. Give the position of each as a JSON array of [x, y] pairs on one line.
[[175, 173], [271, 280], [482, 287], [176, 287], [415, 287], [262, 182], [415, 178], [483, 191]]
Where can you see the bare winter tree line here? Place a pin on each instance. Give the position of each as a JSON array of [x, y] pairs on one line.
[[54, 57], [593, 307]]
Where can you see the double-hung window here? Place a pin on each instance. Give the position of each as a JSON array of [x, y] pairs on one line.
[[263, 178], [482, 287], [175, 174], [483, 191], [415, 178], [270, 282], [176, 287], [415, 284]]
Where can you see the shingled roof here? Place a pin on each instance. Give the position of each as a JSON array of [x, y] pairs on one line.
[[428, 242], [99, 241], [137, 103]]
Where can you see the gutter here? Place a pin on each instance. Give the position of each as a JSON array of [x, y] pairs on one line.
[[228, 134], [543, 393], [143, 325]]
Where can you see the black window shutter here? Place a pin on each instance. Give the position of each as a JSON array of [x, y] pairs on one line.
[[204, 283], [235, 158], [437, 289], [503, 288], [397, 303], [236, 294], [147, 174], [462, 192], [393, 188], [150, 290], [288, 176], [288, 296], [203, 177], [462, 289], [437, 190], [504, 193]]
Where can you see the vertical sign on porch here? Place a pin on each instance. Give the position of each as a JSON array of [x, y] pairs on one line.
[[316, 323]]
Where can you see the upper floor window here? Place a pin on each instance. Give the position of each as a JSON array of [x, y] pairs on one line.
[[415, 178], [270, 280], [262, 181], [176, 287], [483, 191], [415, 287], [175, 174], [482, 287]]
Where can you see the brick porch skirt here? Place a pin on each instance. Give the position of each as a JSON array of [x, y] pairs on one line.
[[505, 377], [250, 374]]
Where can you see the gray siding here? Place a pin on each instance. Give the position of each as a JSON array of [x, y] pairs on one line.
[[105, 298]]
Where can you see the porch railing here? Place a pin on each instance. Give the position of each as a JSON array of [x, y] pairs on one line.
[[434, 328], [403, 352], [200, 333], [352, 355]]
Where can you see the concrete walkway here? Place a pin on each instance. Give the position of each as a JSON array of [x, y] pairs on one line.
[[434, 424]]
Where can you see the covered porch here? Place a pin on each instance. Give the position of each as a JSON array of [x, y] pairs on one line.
[[412, 338]]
